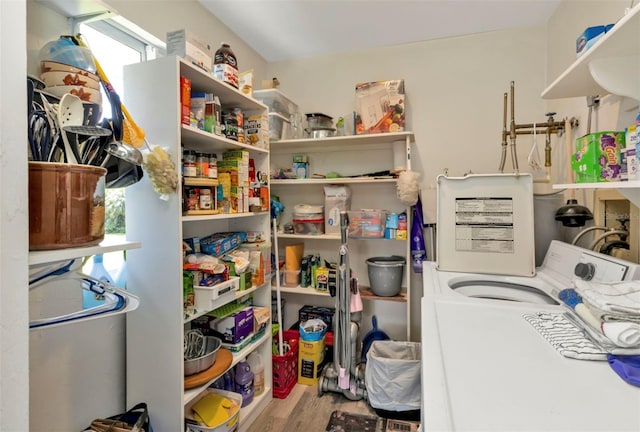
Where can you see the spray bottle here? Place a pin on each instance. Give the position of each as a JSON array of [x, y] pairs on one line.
[[418, 249]]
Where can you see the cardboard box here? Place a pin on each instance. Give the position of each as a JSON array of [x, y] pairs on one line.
[[380, 107], [257, 130], [190, 47], [597, 157], [589, 37], [308, 312], [261, 317], [310, 357], [185, 100], [216, 244], [237, 327]]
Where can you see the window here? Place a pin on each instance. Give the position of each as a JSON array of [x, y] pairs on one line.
[[115, 43]]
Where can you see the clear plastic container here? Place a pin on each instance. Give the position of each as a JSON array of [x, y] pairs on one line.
[[279, 127], [319, 121], [276, 101], [308, 219]]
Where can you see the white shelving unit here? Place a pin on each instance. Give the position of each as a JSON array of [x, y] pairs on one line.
[[155, 335], [39, 260], [610, 66], [109, 244], [345, 156]]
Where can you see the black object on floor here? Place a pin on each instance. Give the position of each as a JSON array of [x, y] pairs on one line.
[[411, 415], [341, 421]]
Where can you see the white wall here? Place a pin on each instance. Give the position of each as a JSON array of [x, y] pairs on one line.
[[14, 372], [454, 93], [454, 104]]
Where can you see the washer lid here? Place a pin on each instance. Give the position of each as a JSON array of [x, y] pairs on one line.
[[485, 224]]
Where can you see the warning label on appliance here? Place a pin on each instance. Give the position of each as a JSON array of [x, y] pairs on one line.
[[484, 225]]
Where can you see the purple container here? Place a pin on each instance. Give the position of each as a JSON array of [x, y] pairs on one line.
[[244, 382]]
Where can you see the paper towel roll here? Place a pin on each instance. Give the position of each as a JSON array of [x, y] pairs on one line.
[[399, 155]]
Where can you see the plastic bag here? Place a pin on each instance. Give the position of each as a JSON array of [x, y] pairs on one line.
[[392, 375]]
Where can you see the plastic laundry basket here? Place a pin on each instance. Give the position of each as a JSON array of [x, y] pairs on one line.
[[392, 376]]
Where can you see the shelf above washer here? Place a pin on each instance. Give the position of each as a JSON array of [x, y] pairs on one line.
[[609, 66]]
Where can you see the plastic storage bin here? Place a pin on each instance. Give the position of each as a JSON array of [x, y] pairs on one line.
[[279, 127], [367, 223], [285, 367], [308, 219], [276, 101], [229, 425]]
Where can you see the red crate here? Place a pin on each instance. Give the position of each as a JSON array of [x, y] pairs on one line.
[[285, 367]]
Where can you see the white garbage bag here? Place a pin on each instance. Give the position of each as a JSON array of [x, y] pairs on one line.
[[392, 375]]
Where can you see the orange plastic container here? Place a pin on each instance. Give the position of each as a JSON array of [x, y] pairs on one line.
[[66, 205]]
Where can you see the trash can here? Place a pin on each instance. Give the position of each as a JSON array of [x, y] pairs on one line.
[[392, 379]]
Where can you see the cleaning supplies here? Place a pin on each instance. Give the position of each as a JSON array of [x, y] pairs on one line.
[[418, 249], [257, 367], [244, 382]]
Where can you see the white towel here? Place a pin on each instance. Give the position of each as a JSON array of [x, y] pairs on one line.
[[619, 297], [623, 334], [607, 316]]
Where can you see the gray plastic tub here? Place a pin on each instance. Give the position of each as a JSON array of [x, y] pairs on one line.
[[385, 275]]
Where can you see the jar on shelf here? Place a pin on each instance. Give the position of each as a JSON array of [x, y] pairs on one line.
[[192, 199], [202, 165], [205, 199], [189, 168], [213, 166]]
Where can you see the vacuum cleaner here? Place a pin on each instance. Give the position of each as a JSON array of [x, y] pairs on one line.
[[345, 375]]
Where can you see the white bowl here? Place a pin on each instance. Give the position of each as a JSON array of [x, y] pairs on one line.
[[86, 94], [60, 78]]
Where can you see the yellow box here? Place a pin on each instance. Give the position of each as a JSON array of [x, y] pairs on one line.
[[310, 357]]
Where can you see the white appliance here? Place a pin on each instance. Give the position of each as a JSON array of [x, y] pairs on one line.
[[484, 368], [485, 223]]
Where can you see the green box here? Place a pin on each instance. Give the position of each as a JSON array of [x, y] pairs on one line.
[[597, 157]]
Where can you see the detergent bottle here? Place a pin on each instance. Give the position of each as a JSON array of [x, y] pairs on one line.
[[257, 367], [244, 382]]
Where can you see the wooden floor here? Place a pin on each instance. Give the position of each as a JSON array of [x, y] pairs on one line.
[[304, 410]]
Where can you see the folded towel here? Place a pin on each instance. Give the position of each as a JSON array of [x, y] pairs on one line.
[[607, 316], [623, 334], [618, 297]]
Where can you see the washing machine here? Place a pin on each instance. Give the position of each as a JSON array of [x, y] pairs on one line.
[[486, 368]]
